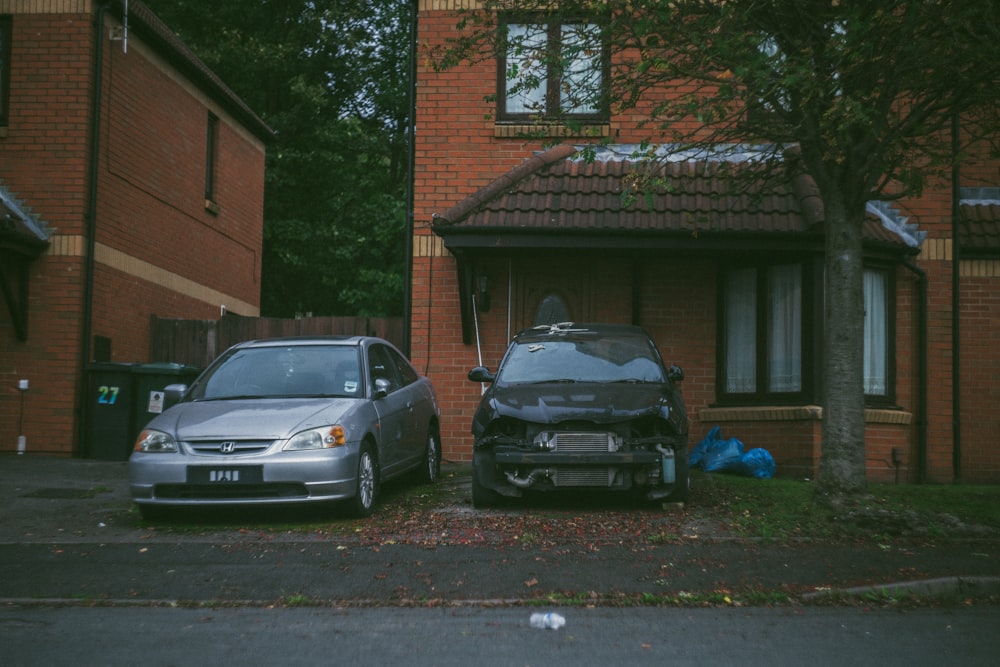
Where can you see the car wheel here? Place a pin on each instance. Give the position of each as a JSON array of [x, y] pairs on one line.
[[432, 457], [152, 512], [683, 484], [482, 495], [364, 500]]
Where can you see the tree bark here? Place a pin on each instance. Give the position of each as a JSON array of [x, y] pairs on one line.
[[842, 463]]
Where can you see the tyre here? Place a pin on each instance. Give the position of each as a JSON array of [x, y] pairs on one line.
[[683, 486], [431, 470], [152, 512], [482, 495], [364, 500]]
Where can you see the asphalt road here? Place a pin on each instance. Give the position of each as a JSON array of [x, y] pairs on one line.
[[80, 637], [85, 582], [69, 532]]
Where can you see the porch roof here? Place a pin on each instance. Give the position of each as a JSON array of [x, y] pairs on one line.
[[20, 231], [551, 198], [979, 222], [23, 238]]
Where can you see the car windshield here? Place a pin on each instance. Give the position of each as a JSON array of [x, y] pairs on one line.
[[619, 359], [282, 371]]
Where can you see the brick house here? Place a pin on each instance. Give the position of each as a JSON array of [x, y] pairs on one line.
[[509, 232], [131, 185]]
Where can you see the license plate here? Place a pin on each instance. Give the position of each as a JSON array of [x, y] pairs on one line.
[[225, 474]]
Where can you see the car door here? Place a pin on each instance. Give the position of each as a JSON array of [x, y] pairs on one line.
[[393, 410], [419, 407]]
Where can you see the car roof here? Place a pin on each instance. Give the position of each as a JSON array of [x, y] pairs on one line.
[[306, 340], [582, 330]]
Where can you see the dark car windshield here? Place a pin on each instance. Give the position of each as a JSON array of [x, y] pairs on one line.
[[619, 359], [282, 371]]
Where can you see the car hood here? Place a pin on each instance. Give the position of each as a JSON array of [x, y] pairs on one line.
[[550, 403], [264, 419]]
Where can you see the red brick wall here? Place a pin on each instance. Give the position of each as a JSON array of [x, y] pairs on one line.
[[43, 160], [167, 252], [980, 396], [457, 153]]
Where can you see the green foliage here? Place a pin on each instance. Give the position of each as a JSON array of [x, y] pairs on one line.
[[330, 79], [782, 509]]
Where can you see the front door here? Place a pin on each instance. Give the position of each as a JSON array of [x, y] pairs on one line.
[[551, 291]]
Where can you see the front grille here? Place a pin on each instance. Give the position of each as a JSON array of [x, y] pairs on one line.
[[212, 447], [584, 442], [579, 476], [230, 491]]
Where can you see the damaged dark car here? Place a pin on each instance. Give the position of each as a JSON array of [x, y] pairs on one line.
[[580, 406]]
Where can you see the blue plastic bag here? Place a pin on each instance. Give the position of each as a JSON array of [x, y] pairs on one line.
[[723, 456], [717, 454], [697, 455], [758, 463]]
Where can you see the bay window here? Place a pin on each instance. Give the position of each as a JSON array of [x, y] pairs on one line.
[[769, 344]]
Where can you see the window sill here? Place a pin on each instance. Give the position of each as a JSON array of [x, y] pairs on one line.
[[796, 413], [550, 130]]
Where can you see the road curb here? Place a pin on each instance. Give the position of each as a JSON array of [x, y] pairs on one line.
[[980, 588]]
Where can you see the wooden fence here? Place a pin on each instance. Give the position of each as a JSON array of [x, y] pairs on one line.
[[198, 342]]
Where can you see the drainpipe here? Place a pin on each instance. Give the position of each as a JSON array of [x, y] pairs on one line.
[[956, 304], [91, 217], [922, 374], [411, 152]]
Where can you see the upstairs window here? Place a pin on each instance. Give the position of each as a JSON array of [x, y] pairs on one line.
[[5, 37], [211, 157], [552, 70]]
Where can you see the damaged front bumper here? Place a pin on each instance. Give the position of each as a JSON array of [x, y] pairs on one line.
[[510, 471]]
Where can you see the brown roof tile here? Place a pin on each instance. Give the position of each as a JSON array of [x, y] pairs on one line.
[[551, 192], [979, 227]]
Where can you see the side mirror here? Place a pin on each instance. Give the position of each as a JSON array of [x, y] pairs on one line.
[[675, 373], [481, 374], [381, 387], [172, 394]]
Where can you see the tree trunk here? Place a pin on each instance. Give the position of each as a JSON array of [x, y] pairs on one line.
[[842, 463]]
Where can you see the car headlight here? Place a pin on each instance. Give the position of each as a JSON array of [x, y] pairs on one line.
[[325, 437], [155, 442]]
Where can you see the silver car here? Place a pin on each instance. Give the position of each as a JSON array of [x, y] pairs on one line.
[[291, 420]]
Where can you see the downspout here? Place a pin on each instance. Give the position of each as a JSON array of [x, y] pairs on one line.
[[411, 160], [956, 305], [91, 216], [922, 390]]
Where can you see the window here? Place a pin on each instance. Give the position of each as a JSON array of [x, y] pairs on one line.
[[763, 312], [5, 38], [552, 70], [877, 370], [552, 310], [407, 375], [767, 344], [381, 367], [211, 150]]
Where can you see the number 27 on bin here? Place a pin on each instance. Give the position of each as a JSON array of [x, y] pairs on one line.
[[107, 395]]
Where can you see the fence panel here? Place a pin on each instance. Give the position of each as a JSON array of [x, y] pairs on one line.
[[198, 342]]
